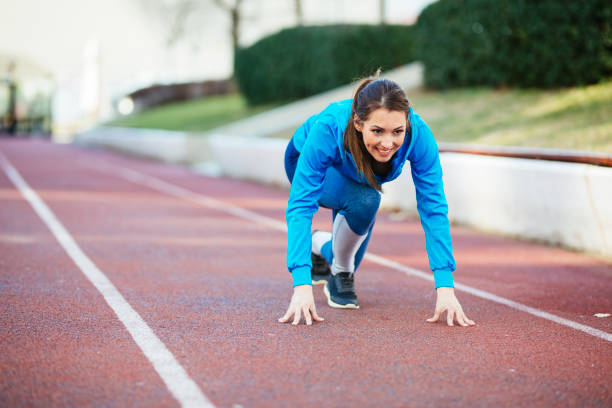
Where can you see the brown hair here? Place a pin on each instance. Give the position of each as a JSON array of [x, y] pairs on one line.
[[372, 93]]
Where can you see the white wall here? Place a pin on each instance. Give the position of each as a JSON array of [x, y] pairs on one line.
[[559, 203]]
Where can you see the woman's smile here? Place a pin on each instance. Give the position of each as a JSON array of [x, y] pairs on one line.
[[386, 152], [383, 133]]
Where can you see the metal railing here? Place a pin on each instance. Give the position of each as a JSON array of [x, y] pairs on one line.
[[573, 156]]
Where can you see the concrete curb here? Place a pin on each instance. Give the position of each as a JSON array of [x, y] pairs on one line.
[[558, 203], [167, 146]]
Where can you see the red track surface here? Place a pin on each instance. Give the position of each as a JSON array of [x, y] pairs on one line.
[[211, 286]]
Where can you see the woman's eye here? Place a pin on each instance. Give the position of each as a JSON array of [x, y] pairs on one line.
[[399, 132], [377, 131]]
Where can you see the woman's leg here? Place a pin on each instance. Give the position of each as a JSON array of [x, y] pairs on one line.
[[325, 247], [354, 206]]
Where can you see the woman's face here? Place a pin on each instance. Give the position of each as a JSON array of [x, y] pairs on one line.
[[383, 132]]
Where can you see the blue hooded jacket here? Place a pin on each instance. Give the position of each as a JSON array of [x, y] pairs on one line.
[[320, 143]]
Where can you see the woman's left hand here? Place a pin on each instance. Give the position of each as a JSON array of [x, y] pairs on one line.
[[447, 301]]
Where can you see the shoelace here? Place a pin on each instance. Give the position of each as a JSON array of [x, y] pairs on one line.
[[346, 281]]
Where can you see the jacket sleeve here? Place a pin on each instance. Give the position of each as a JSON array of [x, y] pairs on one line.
[[318, 153], [432, 206]]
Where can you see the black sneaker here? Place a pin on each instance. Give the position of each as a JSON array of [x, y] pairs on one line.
[[340, 291], [320, 271]]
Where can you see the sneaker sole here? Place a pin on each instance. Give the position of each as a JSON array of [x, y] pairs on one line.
[[333, 304], [319, 279]]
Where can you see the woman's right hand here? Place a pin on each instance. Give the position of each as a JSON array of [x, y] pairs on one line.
[[302, 302]]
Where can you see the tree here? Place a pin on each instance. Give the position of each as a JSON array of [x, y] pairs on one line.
[[234, 9], [179, 18], [173, 16], [381, 7], [299, 16]]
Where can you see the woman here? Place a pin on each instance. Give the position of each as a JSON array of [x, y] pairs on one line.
[[339, 159]]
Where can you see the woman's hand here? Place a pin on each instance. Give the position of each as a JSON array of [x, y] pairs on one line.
[[302, 301], [447, 301]]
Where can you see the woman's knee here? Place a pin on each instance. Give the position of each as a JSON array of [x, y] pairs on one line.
[[371, 201], [361, 210]]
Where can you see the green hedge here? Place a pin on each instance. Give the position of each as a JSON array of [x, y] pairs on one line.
[[527, 43], [303, 61]]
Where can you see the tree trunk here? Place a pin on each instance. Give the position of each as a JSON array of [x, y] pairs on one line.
[[234, 19], [298, 12], [235, 13]]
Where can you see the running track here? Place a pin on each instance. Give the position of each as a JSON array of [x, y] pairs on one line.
[[181, 279]]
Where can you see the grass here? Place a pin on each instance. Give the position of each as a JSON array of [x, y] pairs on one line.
[[195, 116], [575, 118]]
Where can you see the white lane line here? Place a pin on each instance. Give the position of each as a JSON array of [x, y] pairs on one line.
[[171, 189], [182, 387], [494, 298], [176, 191]]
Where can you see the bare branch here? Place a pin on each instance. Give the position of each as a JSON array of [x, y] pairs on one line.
[[177, 27], [223, 4]]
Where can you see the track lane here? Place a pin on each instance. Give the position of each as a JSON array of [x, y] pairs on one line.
[[60, 345], [383, 353], [554, 261]]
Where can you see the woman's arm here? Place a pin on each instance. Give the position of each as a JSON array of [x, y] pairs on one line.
[[433, 209], [318, 153], [432, 206]]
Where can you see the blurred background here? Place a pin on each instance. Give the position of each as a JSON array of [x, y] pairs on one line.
[[501, 72], [67, 65]]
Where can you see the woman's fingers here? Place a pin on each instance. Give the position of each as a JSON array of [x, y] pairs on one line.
[[302, 302], [460, 318], [447, 302], [315, 315], [309, 312], [297, 316], [307, 316], [468, 320], [436, 316], [450, 316], [461, 314], [287, 315]]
